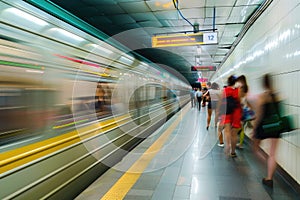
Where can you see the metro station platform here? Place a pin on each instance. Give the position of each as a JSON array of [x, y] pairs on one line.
[[182, 161]]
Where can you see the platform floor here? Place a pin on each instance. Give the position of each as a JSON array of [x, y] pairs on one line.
[[182, 161]]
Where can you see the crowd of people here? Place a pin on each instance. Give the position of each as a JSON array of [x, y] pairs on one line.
[[233, 112]]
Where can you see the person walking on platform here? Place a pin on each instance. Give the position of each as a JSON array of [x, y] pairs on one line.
[[193, 98], [267, 106], [241, 83], [220, 127], [214, 97], [231, 112], [199, 98], [205, 96]]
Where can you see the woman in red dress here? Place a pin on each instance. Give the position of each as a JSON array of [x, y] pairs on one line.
[[231, 116]]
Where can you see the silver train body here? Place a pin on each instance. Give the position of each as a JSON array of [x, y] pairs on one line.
[[71, 105]]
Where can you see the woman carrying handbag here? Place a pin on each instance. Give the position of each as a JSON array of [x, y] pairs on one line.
[[267, 106]]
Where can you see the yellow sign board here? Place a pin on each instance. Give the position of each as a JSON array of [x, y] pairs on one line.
[[185, 39], [177, 40]]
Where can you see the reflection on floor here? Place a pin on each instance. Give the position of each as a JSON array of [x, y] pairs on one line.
[[190, 165]]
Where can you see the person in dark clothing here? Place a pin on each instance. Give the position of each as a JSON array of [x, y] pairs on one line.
[[265, 107], [199, 98]]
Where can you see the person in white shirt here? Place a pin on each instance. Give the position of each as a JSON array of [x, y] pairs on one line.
[[193, 98], [198, 95], [214, 97]]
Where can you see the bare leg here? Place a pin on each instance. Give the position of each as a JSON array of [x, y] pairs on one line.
[[272, 158], [233, 141], [255, 147], [227, 132], [220, 134], [242, 136], [209, 111], [216, 117]]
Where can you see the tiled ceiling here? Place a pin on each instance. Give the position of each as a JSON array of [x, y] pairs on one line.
[[134, 22]]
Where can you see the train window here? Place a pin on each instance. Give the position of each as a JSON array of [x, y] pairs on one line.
[[10, 97]]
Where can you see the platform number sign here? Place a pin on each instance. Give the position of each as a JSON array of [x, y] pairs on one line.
[[210, 38]]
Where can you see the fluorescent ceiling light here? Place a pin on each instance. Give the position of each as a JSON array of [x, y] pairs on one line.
[[34, 71], [126, 60], [68, 34], [96, 46], [145, 64], [24, 15]]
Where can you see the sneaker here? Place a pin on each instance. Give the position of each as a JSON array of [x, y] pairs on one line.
[[268, 183], [233, 155], [239, 146], [221, 145]]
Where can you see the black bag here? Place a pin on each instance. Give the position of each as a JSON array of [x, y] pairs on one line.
[[272, 125], [228, 105], [275, 124], [287, 123]]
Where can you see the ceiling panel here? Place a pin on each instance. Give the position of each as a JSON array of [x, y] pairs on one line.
[[121, 19], [220, 12], [135, 7], [218, 58], [130, 26], [218, 3], [172, 14], [155, 5], [139, 17], [95, 2], [231, 30], [89, 11], [227, 40], [248, 2], [209, 22], [193, 13], [121, 1], [144, 18], [191, 4], [209, 47], [109, 10], [155, 31], [222, 51], [101, 20], [240, 14], [150, 24]]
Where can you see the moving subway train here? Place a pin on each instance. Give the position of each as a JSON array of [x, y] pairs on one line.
[[71, 105]]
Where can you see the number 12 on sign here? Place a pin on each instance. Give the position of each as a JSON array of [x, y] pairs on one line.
[[210, 38]]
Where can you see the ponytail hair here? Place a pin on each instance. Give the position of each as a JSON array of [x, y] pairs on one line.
[[267, 81]]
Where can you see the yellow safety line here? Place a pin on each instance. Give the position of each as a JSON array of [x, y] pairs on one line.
[[20, 156], [125, 183], [69, 124]]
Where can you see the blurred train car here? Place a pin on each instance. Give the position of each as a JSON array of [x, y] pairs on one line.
[[86, 102], [25, 108]]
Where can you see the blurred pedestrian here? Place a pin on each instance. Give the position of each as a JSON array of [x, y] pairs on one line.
[[267, 105], [193, 98], [220, 126], [199, 98], [231, 112], [241, 83], [205, 96], [214, 95]]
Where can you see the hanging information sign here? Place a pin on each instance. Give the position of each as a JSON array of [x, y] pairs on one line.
[[185, 39], [203, 68]]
